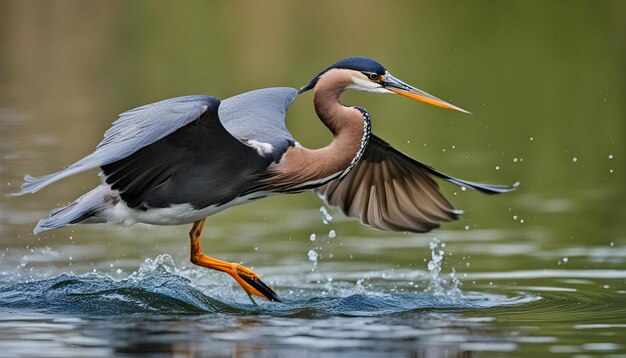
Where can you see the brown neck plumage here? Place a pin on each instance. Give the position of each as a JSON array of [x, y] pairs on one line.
[[301, 165]]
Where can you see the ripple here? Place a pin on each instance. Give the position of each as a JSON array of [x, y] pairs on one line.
[[94, 294], [166, 293], [172, 304], [525, 274], [156, 288]]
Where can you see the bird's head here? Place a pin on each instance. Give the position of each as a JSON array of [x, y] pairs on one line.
[[369, 75]]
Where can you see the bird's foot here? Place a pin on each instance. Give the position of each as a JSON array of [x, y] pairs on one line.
[[246, 278], [251, 283]]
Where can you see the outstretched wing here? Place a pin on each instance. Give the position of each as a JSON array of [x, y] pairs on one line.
[[211, 160], [254, 116], [200, 164], [391, 191], [134, 130], [259, 116]]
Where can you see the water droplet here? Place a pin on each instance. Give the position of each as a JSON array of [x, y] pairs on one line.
[[531, 138], [574, 159], [256, 248], [610, 156], [326, 217], [612, 244], [313, 258], [565, 259], [521, 221], [312, 237], [514, 217], [497, 167], [332, 234], [467, 227], [439, 286], [463, 188], [119, 270], [515, 160]]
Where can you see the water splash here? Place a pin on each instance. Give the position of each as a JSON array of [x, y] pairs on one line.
[[32, 266], [153, 288], [160, 287], [313, 256], [162, 264], [438, 286], [326, 217]]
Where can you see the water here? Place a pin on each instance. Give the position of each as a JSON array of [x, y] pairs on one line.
[[163, 299], [161, 307], [537, 271]]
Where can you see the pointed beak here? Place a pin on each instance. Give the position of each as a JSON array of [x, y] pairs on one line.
[[395, 85]]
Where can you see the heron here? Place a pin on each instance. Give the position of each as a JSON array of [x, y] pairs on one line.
[[183, 159]]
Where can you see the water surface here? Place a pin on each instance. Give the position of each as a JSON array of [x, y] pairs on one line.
[[537, 271]]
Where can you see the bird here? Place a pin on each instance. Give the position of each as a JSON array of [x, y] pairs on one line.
[[181, 160]]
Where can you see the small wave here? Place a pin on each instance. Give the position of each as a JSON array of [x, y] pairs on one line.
[[158, 288], [94, 294]]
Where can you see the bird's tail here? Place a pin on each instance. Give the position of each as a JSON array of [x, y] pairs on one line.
[[82, 209]]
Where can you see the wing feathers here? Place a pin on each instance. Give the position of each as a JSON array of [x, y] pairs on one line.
[[391, 191], [134, 130]]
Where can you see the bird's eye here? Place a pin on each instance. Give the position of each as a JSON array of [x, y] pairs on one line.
[[373, 76]]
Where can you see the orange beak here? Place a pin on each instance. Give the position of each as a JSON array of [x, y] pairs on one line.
[[394, 85]]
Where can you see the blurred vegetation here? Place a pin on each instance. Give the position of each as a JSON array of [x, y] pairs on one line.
[[545, 80]]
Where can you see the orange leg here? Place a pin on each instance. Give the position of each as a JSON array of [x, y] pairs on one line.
[[246, 278]]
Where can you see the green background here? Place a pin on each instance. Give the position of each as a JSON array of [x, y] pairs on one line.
[[545, 81]]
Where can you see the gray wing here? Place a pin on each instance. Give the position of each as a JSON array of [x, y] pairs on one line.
[[259, 115], [200, 164], [135, 129], [391, 191]]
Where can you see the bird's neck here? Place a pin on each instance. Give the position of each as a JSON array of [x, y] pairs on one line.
[[349, 125], [304, 168]]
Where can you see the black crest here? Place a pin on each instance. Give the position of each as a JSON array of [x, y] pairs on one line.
[[362, 64]]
